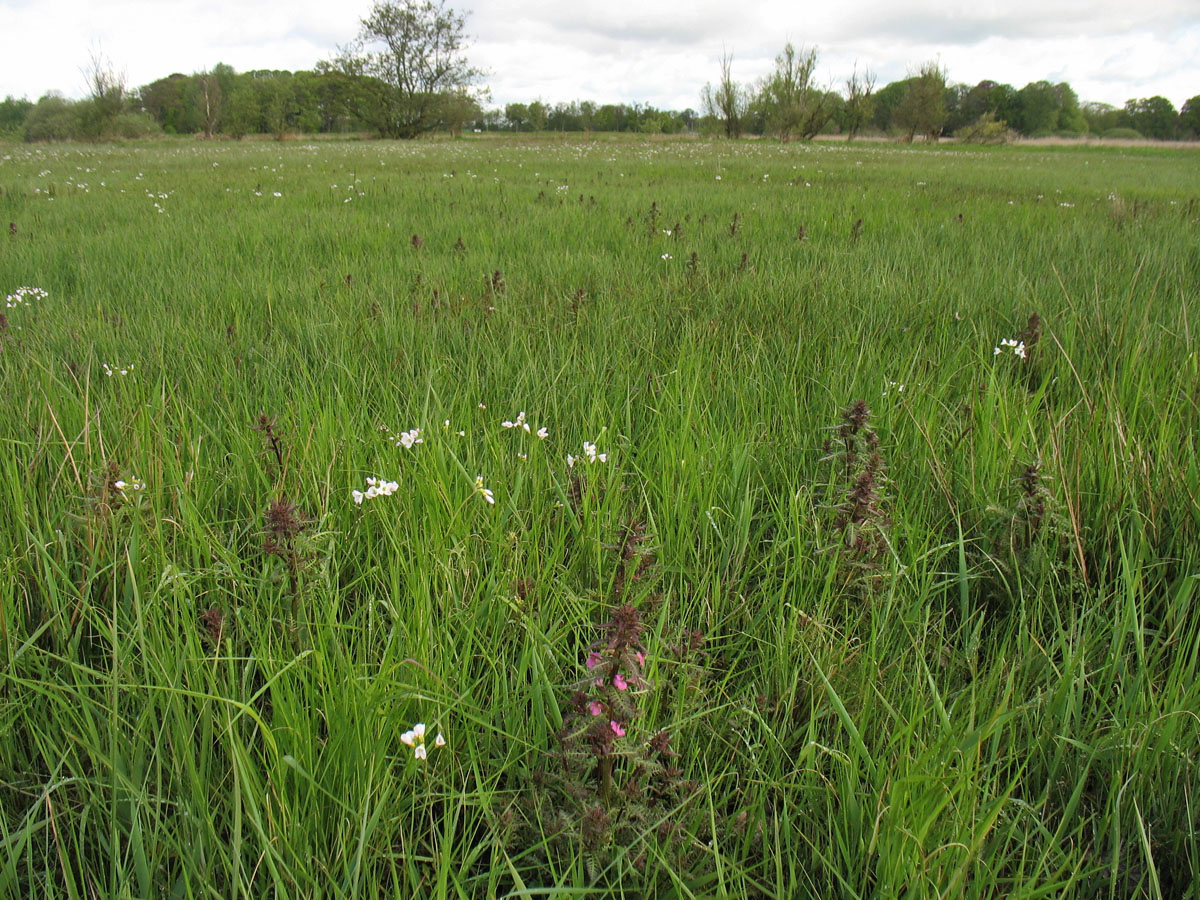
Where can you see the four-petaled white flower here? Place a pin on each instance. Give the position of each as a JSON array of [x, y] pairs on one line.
[[590, 453], [1018, 347], [415, 738], [407, 439]]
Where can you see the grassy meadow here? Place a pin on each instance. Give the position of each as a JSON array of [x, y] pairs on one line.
[[737, 519]]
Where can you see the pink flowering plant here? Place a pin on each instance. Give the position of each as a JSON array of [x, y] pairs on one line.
[[609, 694], [615, 779]]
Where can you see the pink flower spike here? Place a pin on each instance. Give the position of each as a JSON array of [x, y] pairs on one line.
[[597, 682], [640, 657], [594, 659], [617, 728], [619, 682], [595, 707]]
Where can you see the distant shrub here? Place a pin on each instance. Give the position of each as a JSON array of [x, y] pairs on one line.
[[987, 129], [1124, 134], [133, 125], [52, 119], [1070, 134]]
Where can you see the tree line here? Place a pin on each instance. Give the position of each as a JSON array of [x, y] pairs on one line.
[[406, 74]]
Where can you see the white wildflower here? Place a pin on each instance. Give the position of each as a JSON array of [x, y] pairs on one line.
[[485, 493]]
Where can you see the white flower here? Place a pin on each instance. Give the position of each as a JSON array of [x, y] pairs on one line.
[[485, 493], [543, 433], [415, 738], [667, 256], [376, 487], [408, 439]]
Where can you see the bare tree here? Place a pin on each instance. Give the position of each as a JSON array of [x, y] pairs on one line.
[[858, 101], [727, 103], [106, 95], [211, 100]]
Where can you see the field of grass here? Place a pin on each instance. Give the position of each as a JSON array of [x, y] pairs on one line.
[[780, 521]]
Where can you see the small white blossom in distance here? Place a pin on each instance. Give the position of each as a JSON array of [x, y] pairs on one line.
[[485, 493]]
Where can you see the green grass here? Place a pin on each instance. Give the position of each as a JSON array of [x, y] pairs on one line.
[[1004, 702]]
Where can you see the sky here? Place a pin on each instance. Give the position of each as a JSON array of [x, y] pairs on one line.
[[659, 52]]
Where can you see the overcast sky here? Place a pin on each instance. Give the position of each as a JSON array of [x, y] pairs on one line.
[[652, 51]]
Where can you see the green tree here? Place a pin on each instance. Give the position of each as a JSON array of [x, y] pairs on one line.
[[243, 113], [458, 110], [538, 115], [517, 114], [167, 100], [1189, 119], [419, 64], [792, 106], [12, 115], [923, 107], [886, 102], [1100, 117], [1154, 117]]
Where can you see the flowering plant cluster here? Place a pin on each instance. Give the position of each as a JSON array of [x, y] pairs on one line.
[[415, 738], [860, 522], [615, 664], [376, 487], [485, 493], [1018, 347], [520, 424], [20, 297], [407, 439], [589, 456], [115, 369], [616, 784]]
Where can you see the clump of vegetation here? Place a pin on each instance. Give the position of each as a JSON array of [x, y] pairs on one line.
[[859, 485]]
